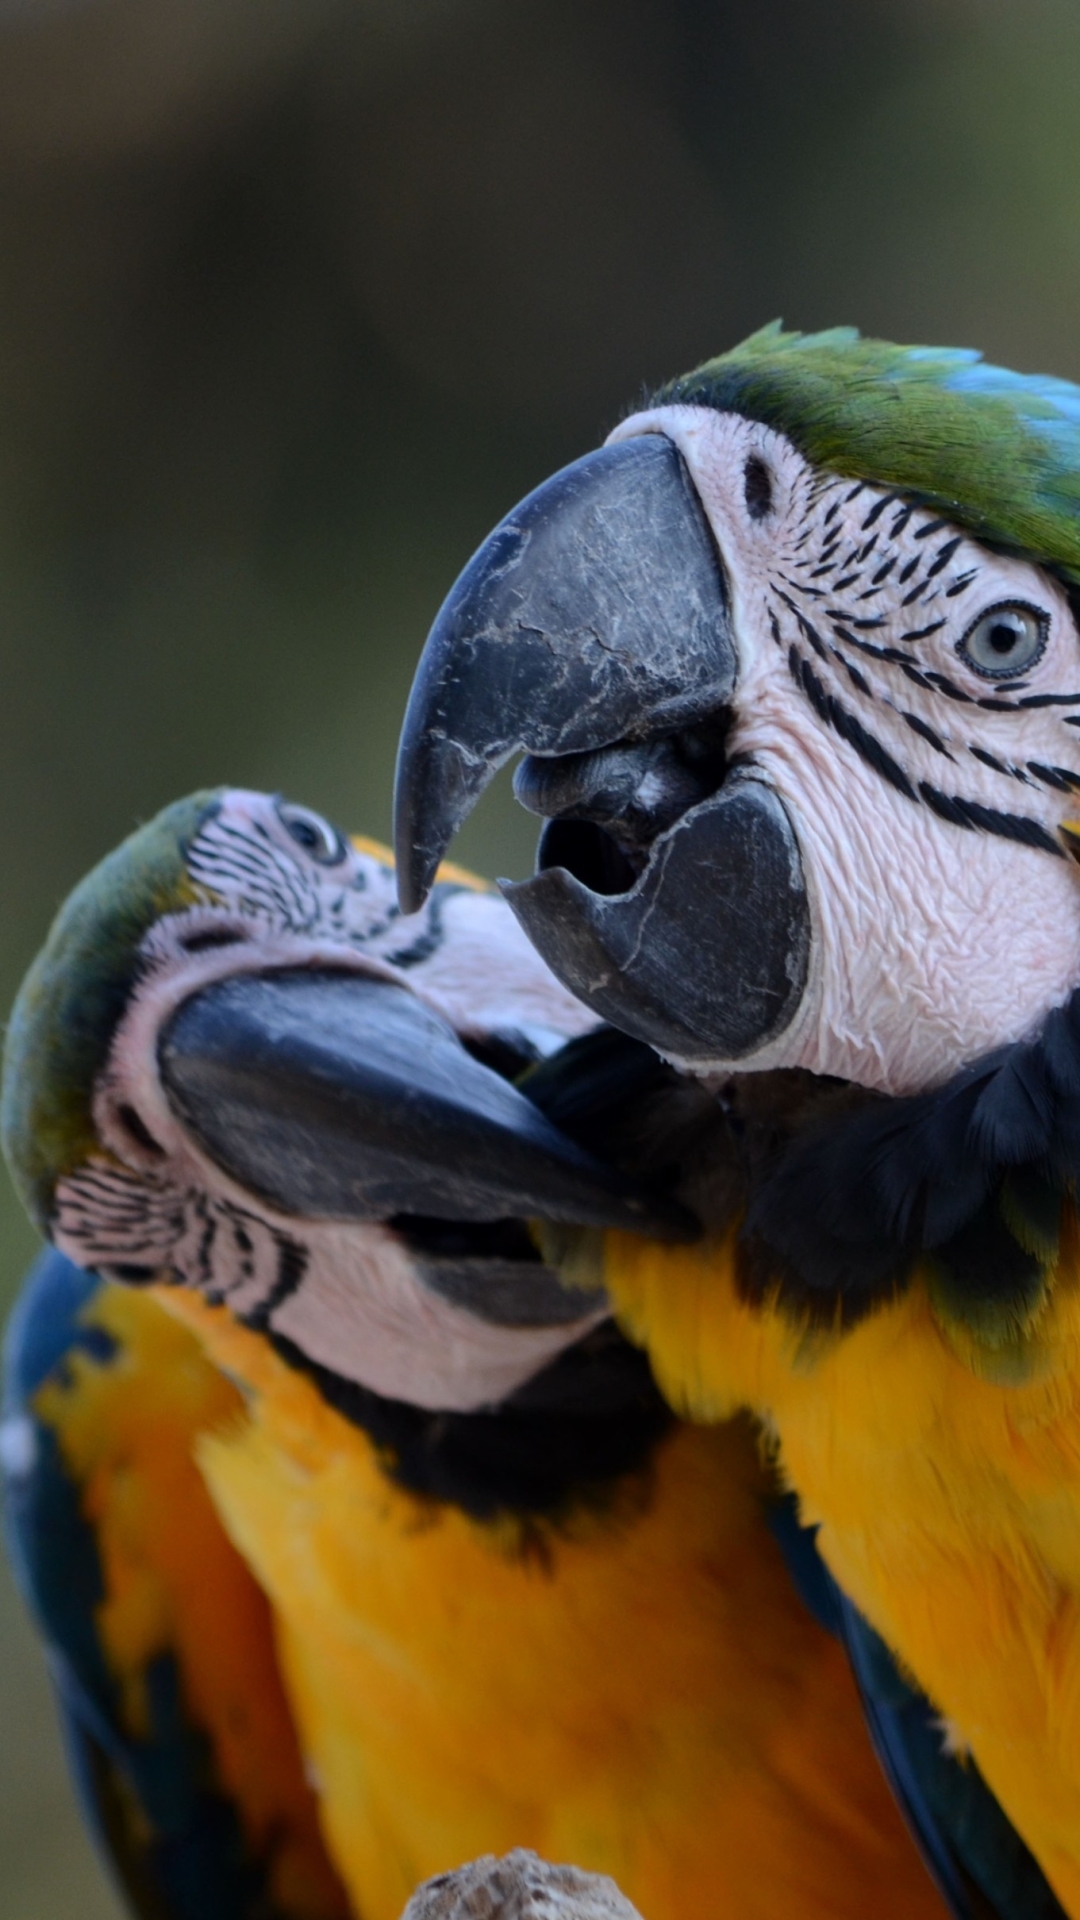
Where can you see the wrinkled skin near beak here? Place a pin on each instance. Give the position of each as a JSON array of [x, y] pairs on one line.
[[340, 1096], [592, 630]]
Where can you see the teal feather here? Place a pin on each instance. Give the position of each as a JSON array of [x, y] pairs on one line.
[[996, 452], [78, 986]]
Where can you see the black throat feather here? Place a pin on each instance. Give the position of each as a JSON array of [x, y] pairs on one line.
[[843, 1194], [568, 1438]]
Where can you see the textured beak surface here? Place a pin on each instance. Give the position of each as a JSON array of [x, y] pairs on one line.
[[706, 955], [597, 604], [341, 1096], [593, 630]]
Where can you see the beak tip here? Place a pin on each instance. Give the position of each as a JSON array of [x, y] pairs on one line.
[[615, 548], [416, 860], [434, 789], [413, 885]]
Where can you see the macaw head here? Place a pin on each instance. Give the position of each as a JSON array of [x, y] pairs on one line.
[[236, 1066], [795, 665]]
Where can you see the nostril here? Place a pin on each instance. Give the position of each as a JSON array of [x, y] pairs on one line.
[[757, 488]]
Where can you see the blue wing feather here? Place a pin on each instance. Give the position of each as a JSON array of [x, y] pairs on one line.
[[173, 1841], [978, 1860], [947, 1802]]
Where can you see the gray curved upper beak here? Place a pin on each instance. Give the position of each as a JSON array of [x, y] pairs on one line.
[[597, 606], [593, 629]]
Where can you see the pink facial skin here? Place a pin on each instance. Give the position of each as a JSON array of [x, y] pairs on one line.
[[932, 941], [360, 1307]]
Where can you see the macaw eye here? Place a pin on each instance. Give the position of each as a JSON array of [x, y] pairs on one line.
[[310, 831], [1004, 640]]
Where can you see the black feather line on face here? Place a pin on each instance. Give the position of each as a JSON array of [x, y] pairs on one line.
[[953, 808], [972, 814], [292, 1264], [834, 714]]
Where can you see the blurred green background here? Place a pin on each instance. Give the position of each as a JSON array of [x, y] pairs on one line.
[[298, 296]]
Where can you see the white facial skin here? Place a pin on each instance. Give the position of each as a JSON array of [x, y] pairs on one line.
[[932, 941], [348, 1294]]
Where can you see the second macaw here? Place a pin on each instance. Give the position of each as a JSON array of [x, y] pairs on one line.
[[795, 662], [360, 1541]]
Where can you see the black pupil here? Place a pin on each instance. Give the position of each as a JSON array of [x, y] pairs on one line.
[[1004, 638], [307, 835]]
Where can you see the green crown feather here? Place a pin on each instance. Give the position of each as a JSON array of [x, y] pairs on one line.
[[75, 992], [995, 451]]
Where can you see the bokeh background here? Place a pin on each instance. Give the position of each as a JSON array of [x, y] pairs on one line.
[[298, 296]]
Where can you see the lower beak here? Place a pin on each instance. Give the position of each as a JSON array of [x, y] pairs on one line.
[[341, 1096], [593, 631]]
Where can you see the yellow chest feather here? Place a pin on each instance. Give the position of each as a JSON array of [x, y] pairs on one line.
[[948, 1500], [640, 1692]]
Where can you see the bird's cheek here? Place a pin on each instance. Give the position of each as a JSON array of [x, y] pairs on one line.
[[931, 944]]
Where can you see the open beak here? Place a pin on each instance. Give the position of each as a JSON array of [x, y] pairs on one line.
[[341, 1096], [593, 631]]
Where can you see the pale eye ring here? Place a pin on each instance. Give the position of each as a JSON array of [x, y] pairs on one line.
[[1005, 640], [322, 842]]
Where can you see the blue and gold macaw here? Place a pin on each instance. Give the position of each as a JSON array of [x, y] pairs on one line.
[[361, 1542], [795, 662]]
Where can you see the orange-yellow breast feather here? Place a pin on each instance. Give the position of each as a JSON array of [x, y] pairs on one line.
[[948, 1502]]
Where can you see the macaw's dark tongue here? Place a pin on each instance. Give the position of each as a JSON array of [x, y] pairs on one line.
[[593, 631], [633, 792]]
